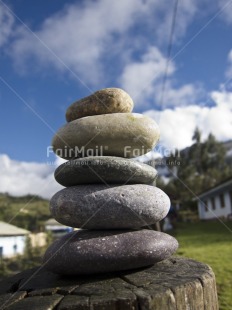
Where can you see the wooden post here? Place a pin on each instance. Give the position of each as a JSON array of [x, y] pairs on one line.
[[173, 284]]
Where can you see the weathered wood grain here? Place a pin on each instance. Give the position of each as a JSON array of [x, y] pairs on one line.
[[174, 284]]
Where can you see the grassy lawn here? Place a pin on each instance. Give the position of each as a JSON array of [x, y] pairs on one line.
[[210, 243]]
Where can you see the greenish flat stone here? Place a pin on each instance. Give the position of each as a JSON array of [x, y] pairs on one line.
[[118, 134]]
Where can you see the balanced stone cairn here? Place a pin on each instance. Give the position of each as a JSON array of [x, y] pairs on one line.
[[110, 196]]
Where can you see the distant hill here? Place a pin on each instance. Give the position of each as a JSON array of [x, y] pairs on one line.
[[28, 212]]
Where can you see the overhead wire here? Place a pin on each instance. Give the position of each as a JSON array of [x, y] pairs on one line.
[[169, 51]]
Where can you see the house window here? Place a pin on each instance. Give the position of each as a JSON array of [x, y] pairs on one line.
[[204, 203], [222, 201], [213, 203], [231, 199]]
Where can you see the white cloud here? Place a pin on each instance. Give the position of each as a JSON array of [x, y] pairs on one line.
[[152, 155], [82, 35], [143, 80], [186, 10], [177, 125], [225, 9], [22, 178], [6, 24], [78, 35], [138, 77], [186, 94]]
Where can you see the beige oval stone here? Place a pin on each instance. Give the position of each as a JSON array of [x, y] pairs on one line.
[[104, 101], [118, 134]]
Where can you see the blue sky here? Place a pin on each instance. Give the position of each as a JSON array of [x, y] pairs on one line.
[[53, 53]]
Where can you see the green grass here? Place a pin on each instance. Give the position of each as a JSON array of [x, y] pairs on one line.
[[210, 243]]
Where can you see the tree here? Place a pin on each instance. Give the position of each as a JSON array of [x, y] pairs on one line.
[[202, 166], [197, 135]]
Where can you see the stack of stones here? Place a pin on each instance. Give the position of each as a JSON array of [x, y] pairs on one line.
[[110, 196]]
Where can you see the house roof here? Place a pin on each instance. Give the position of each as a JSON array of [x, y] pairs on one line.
[[53, 222], [53, 225], [11, 230], [217, 189]]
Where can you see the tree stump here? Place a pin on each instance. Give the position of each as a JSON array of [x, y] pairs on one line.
[[176, 283]]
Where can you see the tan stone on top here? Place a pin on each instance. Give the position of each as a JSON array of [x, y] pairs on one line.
[[104, 101]]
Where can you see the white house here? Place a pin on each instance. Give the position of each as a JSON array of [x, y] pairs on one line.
[[12, 240], [216, 201], [57, 229]]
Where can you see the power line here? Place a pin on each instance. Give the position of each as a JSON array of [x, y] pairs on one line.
[[169, 50]]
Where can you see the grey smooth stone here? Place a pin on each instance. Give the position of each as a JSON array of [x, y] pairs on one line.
[[104, 101], [117, 134], [100, 206], [104, 169], [88, 252]]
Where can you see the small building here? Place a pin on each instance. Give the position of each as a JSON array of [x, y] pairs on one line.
[[12, 240], [38, 239], [216, 201], [57, 229]]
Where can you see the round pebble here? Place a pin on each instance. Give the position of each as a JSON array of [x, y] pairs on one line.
[[100, 206], [117, 134], [104, 169], [89, 252], [104, 101]]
